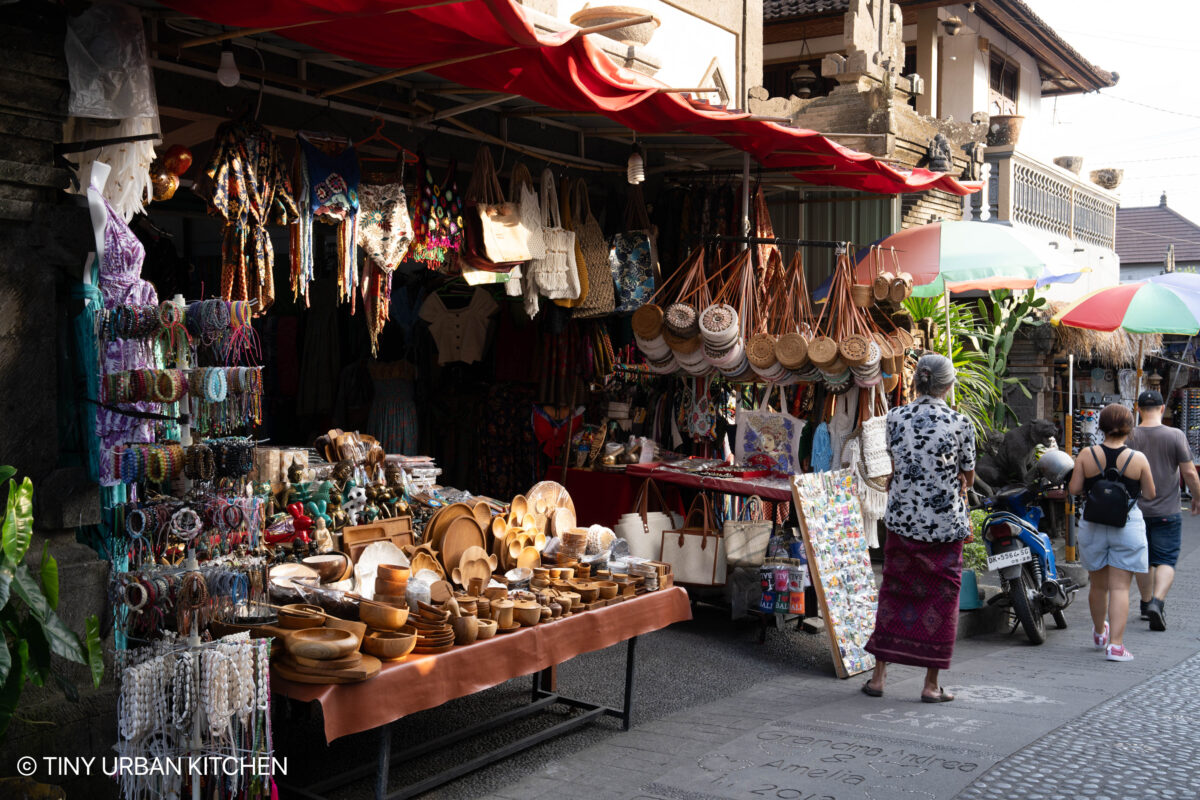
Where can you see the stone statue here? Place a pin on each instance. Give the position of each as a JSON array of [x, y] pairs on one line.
[[1009, 459], [938, 156], [974, 168]]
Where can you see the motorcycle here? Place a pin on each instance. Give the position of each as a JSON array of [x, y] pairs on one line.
[[1024, 556], [1032, 585]]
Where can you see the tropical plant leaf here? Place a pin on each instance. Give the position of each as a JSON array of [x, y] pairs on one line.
[[18, 520], [49, 575], [10, 693], [95, 650], [68, 688], [6, 576], [7, 472], [63, 641], [5, 661], [36, 651]]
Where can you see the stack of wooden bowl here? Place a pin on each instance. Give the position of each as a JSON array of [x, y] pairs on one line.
[[326, 652], [433, 630], [391, 584]]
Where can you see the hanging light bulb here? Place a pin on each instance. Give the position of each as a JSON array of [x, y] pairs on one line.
[[227, 73], [803, 80], [635, 168]]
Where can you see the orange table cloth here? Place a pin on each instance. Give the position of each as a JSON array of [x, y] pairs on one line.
[[422, 682]]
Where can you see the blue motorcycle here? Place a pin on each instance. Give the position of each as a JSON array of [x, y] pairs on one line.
[[1024, 557]]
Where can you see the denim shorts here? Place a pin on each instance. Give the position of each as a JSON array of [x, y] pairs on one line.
[[1103, 546], [1164, 535]]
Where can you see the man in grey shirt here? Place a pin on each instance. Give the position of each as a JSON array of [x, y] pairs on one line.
[[1166, 448]]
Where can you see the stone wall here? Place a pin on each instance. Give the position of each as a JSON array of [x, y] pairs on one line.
[[46, 237]]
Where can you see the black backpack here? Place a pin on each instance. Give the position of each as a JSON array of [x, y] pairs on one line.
[[1108, 501]]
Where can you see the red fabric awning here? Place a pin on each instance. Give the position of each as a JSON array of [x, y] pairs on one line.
[[562, 71]]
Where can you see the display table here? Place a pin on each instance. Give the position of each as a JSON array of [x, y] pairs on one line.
[[423, 682], [776, 490]]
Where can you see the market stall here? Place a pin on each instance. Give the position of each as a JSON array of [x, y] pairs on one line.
[[325, 371]]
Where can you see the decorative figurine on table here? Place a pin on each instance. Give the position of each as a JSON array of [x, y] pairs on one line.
[[321, 536], [342, 476], [298, 489], [354, 502], [318, 509], [375, 506], [301, 522], [262, 490], [338, 518], [395, 482], [385, 498]]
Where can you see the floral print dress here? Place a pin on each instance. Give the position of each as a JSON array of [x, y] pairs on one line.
[[930, 445]]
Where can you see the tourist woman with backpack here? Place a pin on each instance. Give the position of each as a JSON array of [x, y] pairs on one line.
[[1112, 535]]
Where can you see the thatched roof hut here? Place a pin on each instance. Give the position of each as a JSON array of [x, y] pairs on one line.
[[1107, 348]]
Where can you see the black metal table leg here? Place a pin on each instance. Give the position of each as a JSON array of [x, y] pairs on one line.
[[385, 761], [630, 669]]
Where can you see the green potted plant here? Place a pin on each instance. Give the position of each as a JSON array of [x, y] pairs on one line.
[[974, 562], [30, 628]]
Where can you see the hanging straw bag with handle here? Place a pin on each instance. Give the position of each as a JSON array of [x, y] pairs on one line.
[[600, 300], [570, 223], [633, 256], [554, 275], [747, 537], [877, 462], [696, 552], [642, 528], [496, 239], [522, 192]]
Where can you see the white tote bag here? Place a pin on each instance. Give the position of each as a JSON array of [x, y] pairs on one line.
[[643, 528], [769, 438], [696, 552], [877, 462], [747, 537]]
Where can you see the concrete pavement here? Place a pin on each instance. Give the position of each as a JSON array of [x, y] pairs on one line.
[[720, 716]]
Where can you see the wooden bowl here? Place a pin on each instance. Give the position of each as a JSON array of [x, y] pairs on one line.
[[393, 572], [398, 600], [608, 590], [466, 629], [527, 612], [359, 629], [487, 629], [571, 601], [298, 616], [329, 566], [385, 586], [588, 592], [389, 644], [382, 616], [321, 643]]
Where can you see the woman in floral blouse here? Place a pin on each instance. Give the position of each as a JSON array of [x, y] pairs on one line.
[[933, 464]]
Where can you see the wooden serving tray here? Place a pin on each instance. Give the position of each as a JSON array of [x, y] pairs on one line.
[[286, 668]]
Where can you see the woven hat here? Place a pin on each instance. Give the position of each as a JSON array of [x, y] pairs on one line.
[[792, 350], [822, 351], [761, 350], [648, 321]]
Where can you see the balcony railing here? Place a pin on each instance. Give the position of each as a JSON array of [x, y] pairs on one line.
[[1025, 191]]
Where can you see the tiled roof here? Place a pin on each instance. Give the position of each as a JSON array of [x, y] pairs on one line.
[[1144, 233], [786, 9]]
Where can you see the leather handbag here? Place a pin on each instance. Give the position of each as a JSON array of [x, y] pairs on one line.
[[746, 538], [696, 552], [496, 239], [642, 528]]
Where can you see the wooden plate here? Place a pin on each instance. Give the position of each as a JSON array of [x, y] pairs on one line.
[[441, 591], [562, 519], [445, 518], [432, 651], [508, 630], [461, 535], [529, 557], [499, 527]]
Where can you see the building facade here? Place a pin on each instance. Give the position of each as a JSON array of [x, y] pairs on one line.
[[1152, 240]]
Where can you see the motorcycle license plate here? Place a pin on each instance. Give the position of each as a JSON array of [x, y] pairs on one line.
[[1011, 558]]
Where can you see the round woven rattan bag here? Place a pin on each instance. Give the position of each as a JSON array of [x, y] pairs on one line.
[[761, 350], [822, 351], [648, 321], [792, 350], [854, 349], [681, 320]]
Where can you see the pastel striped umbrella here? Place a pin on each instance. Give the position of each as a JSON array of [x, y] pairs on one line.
[[1162, 304], [961, 256]]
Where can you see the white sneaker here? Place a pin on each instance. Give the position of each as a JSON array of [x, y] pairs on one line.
[[1118, 652]]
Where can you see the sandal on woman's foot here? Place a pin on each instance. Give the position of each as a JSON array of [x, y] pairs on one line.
[[940, 697], [869, 692], [1101, 639]]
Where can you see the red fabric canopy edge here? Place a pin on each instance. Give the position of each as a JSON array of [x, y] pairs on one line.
[[563, 71]]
